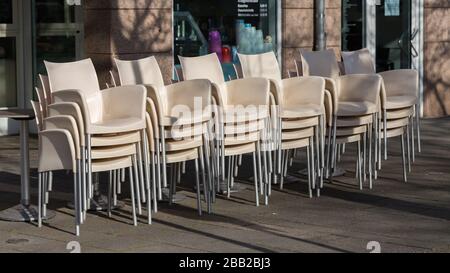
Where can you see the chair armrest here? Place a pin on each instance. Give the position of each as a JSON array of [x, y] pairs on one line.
[[219, 94], [303, 90], [74, 96], [56, 151], [66, 123], [151, 110], [360, 87], [333, 89], [328, 104], [276, 91], [117, 101], [401, 82], [150, 133], [71, 109], [159, 102]]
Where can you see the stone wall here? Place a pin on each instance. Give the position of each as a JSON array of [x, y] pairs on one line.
[[298, 28], [437, 58], [128, 30]]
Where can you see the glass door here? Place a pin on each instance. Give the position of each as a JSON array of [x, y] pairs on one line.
[[393, 35], [10, 48], [58, 33]]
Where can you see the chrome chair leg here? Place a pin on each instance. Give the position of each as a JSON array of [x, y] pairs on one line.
[[133, 204], [359, 166], [403, 158], [255, 175], [419, 142], [197, 181]]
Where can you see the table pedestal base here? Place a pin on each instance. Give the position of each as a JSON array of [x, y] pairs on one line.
[[337, 172], [21, 213], [176, 197], [100, 203], [237, 187]]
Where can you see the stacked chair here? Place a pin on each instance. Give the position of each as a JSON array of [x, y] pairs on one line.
[[355, 100], [299, 118], [178, 119], [399, 96], [241, 121], [106, 135], [153, 130]]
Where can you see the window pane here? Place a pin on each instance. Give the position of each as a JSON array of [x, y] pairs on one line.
[[352, 25], [54, 11], [224, 27], [8, 80], [6, 12], [54, 49], [393, 35]]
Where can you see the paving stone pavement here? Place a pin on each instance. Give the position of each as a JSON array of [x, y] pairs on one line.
[[402, 217]]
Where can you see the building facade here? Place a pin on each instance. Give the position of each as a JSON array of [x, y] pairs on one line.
[[399, 33]]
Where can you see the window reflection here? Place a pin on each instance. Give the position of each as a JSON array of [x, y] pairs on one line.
[[8, 88], [6, 12], [224, 27], [54, 11]]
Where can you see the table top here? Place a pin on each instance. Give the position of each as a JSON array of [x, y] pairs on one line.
[[17, 114]]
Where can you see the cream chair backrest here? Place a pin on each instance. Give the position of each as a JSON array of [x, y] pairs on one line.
[[360, 88], [204, 67], [141, 71], [293, 95], [407, 83], [79, 75], [320, 63], [358, 62], [260, 65], [195, 95]]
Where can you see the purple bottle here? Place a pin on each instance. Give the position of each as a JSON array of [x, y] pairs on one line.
[[215, 43]]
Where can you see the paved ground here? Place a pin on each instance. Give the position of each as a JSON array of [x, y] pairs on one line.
[[412, 217]]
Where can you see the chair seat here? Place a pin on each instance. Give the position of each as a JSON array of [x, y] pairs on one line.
[[302, 111], [297, 134], [103, 165], [115, 139], [399, 113], [348, 139], [299, 123], [177, 145], [241, 139], [239, 114], [118, 125], [397, 102], [240, 149], [243, 128], [394, 132], [295, 144], [194, 119], [349, 131], [352, 108], [353, 121], [395, 123], [113, 151], [181, 156]]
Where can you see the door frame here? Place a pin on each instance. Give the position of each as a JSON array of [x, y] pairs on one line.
[[370, 29]]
